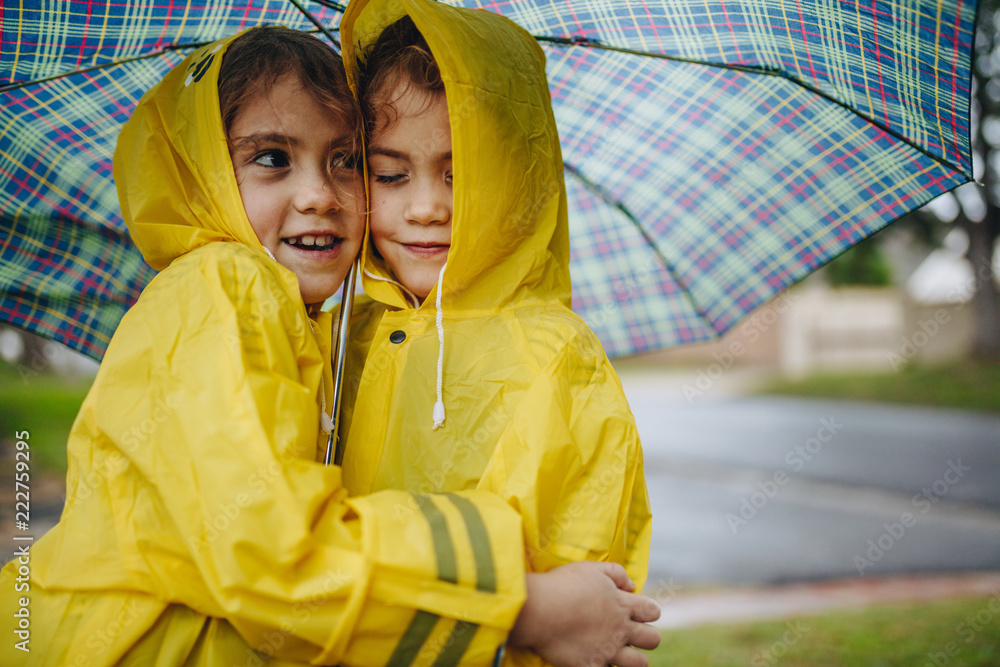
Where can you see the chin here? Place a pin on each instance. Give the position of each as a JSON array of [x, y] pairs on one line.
[[318, 296], [422, 293], [420, 287]]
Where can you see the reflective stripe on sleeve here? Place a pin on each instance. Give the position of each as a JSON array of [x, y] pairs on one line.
[[413, 639], [459, 640], [423, 623], [486, 577], [443, 547]]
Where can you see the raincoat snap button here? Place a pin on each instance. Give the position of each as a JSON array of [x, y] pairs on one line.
[[397, 336]]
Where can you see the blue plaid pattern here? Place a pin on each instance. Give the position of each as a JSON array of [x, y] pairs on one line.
[[716, 152], [742, 186]]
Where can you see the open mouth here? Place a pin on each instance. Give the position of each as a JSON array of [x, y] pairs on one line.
[[314, 243]]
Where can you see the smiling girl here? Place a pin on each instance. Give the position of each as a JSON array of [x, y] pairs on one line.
[[199, 526]]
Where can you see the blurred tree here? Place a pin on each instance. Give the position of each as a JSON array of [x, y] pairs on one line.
[[863, 265], [983, 234], [978, 210]]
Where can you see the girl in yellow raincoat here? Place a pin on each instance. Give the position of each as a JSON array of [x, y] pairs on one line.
[[199, 528], [467, 367]]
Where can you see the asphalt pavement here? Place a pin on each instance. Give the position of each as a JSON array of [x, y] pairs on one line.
[[768, 490]]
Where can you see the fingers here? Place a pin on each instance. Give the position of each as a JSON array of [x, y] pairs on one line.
[[644, 636], [630, 657], [645, 609], [618, 575]]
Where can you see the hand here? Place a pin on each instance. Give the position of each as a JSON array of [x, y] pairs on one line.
[[586, 613]]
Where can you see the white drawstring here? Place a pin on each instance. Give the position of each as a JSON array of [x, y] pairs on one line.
[[269, 253], [414, 301], [439, 320]]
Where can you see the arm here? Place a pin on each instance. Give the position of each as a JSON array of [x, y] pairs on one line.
[[203, 429]]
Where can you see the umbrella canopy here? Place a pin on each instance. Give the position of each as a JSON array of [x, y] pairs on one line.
[[715, 152]]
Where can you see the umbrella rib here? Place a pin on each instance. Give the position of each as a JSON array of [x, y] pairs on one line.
[[766, 71], [332, 5], [113, 63], [315, 22], [124, 61], [608, 199]]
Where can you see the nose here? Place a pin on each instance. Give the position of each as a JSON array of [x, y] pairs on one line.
[[315, 194], [430, 204]]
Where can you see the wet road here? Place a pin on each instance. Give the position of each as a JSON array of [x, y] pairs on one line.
[[766, 490]]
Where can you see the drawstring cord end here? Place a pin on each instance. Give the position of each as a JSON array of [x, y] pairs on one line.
[[438, 415], [325, 422]]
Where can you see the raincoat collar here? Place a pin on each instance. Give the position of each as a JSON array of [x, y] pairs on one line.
[[175, 180], [510, 235]]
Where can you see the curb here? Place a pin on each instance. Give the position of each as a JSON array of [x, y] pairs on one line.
[[778, 602]]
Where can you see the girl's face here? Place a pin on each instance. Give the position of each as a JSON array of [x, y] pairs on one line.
[[411, 185], [307, 213]]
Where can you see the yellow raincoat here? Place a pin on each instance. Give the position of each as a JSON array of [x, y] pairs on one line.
[[199, 527], [534, 411]]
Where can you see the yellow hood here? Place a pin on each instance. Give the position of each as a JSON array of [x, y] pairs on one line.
[[510, 235], [170, 165]]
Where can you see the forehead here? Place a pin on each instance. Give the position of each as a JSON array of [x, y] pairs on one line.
[[286, 103], [408, 107]]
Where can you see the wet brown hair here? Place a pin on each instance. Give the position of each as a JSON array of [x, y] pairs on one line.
[[258, 59], [400, 54]]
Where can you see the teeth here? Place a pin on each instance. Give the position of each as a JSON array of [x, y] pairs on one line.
[[313, 241]]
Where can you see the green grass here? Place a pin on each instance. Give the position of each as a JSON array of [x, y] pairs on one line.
[[917, 635], [45, 406], [973, 385]]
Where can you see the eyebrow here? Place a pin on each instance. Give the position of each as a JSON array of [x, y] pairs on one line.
[[267, 138], [400, 155], [255, 140]]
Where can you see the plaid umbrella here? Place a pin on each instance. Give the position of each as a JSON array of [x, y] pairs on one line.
[[716, 152]]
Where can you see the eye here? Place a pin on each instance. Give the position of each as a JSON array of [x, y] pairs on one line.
[[389, 179], [272, 159], [448, 177]]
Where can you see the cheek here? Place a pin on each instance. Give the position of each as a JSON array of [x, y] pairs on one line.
[[378, 221], [262, 213]]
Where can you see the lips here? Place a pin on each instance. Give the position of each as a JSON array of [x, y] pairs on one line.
[[427, 249], [314, 242]]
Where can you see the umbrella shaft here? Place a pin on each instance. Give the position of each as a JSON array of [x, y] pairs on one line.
[[334, 444]]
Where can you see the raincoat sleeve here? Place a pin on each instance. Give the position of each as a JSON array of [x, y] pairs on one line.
[[207, 420], [571, 463]]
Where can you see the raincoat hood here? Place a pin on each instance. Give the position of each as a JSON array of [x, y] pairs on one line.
[[510, 238], [174, 194]]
